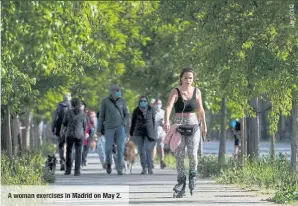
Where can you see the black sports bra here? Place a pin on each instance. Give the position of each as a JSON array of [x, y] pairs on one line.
[[190, 105]]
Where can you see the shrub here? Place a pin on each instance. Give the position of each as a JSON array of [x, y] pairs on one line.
[[27, 169]]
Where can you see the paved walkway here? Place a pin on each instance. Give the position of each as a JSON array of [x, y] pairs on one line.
[[157, 189]]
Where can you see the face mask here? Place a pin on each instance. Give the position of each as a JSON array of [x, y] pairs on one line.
[[118, 94], [158, 106], [82, 107], [143, 104]]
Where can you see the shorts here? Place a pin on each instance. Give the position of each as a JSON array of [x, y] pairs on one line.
[[159, 142]]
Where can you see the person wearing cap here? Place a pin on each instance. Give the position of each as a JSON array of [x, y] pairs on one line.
[[113, 122], [58, 129]]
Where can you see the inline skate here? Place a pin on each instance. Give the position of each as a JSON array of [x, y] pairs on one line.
[[192, 181], [179, 189]]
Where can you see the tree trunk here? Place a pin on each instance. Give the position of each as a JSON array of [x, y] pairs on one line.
[[253, 133], [23, 133], [15, 130], [282, 127], [242, 140], [20, 142], [37, 132], [272, 147], [245, 136], [33, 134], [218, 135], [48, 132], [273, 139], [6, 131], [27, 124], [3, 125], [40, 132], [262, 120], [210, 121], [222, 142], [290, 127], [294, 139]]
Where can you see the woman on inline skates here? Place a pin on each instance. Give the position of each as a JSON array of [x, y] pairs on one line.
[[186, 100]]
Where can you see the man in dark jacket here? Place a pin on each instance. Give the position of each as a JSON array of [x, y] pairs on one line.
[[58, 129], [113, 120]]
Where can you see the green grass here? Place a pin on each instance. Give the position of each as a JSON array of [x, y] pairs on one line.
[[272, 176]]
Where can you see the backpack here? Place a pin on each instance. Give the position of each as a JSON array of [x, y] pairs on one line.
[[75, 126]]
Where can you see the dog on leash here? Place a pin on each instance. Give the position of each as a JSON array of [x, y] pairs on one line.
[[50, 164], [129, 155]]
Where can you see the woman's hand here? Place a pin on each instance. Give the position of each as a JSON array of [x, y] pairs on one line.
[[166, 127]]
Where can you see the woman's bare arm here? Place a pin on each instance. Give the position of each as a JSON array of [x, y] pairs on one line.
[[172, 98], [201, 111]]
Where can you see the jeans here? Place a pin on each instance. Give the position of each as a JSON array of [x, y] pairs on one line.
[[85, 151], [78, 151], [61, 142], [74, 153], [116, 135], [145, 149]]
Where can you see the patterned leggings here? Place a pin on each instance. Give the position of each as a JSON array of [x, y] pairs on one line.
[[192, 145]]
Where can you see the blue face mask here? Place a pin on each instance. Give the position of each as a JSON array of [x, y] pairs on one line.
[[158, 106], [118, 94], [143, 104]]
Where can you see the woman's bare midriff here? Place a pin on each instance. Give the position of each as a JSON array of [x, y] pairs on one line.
[[185, 114]]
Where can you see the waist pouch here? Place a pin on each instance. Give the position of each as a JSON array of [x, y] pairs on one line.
[[188, 129]]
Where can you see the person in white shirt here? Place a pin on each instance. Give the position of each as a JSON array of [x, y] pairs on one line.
[[159, 121]]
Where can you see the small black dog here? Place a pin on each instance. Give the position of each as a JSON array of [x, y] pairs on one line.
[[50, 164]]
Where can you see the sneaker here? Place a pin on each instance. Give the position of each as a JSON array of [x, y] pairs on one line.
[[109, 169], [67, 172], [144, 171], [104, 165], [150, 171], [77, 173], [120, 172]]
